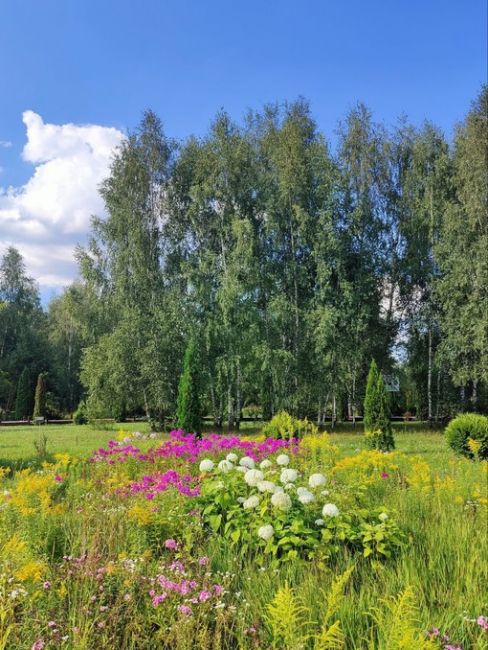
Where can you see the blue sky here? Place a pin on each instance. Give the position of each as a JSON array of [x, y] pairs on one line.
[[79, 62]]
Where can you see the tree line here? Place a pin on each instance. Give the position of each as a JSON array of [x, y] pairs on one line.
[[284, 264]]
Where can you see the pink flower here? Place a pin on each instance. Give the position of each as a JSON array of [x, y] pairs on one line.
[[46, 585], [38, 645], [185, 609], [51, 624], [171, 544], [482, 622], [203, 561], [218, 589], [204, 595], [58, 478], [385, 475]]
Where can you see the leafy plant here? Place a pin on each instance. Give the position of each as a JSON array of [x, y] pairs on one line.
[[285, 426], [81, 414], [398, 627], [467, 435], [286, 620]]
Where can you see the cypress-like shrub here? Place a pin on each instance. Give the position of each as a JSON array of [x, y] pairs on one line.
[[377, 424], [80, 416], [23, 399], [189, 409], [40, 396]]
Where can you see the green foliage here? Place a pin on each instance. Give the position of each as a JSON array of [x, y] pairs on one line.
[[285, 618], [40, 396], [80, 416], [285, 426], [398, 625], [189, 407], [467, 435], [371, 401], [23, 400], [377, 423]]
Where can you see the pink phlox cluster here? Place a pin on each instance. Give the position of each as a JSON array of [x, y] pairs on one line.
[[192, 590], [188, 447], [151, 485]]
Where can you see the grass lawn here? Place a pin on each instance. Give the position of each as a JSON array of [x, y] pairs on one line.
[[17, 442]]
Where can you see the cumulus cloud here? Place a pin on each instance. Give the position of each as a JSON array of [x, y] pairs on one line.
[[47, 216]]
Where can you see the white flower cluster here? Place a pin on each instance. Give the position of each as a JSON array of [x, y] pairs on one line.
[[281, 496]]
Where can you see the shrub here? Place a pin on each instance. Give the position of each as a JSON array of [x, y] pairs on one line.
[[467, 434], [81, 414], [189, 408], [285, 426], [23, 401], [40, 396], [377, 425]]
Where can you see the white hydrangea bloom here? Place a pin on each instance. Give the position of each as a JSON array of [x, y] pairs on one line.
[[251, 502], [265, 464], [288, 487], [302, 490], [266, 486], [247, 461], [330, 510], [242, 469], [316, 480], [319, 522], [325, 493], [206, 465], [288, 475], [383, 516], [253, 477], [240, 499], [283, 459], [232, 458], [306, 497], [266, 532], [281, 500], [225, 466]]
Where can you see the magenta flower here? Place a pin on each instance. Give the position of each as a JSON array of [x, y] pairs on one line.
[[185, 609], [46, 585], [482, 622], [204, 595], [38, 645], [385, 475], [170, 544], [203, 561], [58, 478]]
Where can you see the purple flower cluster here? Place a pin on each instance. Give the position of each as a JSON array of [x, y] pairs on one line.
[[189, 591], [188, 447], [151, 485]]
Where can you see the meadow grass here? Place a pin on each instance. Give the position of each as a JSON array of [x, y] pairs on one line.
[[437, 499]]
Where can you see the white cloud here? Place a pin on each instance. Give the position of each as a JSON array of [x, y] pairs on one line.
[[47, 216]]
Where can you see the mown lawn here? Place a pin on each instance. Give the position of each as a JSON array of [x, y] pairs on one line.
[[17, 442]]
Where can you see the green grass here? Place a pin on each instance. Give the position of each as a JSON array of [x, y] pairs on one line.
[[17, 442]]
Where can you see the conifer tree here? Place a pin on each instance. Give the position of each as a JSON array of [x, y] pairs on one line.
[[23, 399], [40, 396], [189, 409], [377, 425], [371, 398]]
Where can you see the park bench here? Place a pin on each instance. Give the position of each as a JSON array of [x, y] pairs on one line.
[[39, 420]]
